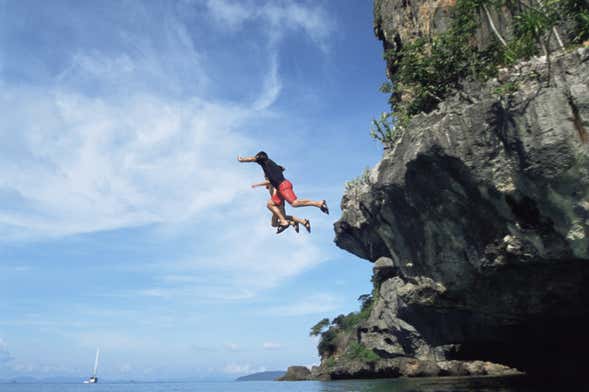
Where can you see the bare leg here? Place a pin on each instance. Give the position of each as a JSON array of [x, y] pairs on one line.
[[276, 221], [306, 203], [288, 194], [276, 211], [305, 222], [295, 219]]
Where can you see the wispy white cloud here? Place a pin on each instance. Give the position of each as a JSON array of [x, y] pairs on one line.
[[314, 304], [231, 14], [84, 162], [279, 16], [312, 19], [24, 368], [106, 146], [241, 368], [201, 348], [131, 133], [272, 87], [93, 165], [233, 262], [271, 346], [112, 341]]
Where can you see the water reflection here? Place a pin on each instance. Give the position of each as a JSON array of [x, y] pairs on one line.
[[446, 384]]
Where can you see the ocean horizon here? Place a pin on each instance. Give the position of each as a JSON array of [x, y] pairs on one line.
[[434, 384]]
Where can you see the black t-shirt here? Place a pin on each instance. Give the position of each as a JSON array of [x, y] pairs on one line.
[[272, 171]]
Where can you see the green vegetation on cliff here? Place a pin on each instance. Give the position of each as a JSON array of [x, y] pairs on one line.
[[358, 352], [341, 330], [427, 69]]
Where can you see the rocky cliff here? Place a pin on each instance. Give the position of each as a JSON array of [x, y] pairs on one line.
[[478, 219]]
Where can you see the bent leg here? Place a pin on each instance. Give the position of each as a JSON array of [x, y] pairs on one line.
[[306, 203], [276, 211], [275, 222], [304, 222], [287, 193], [295, 219]]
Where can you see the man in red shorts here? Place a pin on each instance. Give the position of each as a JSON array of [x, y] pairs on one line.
[[273, 172]]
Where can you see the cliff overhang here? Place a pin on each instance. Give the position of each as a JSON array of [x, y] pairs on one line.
[[482, 208]]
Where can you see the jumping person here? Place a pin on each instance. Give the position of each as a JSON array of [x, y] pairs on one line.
[[293, 220], [274, 174]]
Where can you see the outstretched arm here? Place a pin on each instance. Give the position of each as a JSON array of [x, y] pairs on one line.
[[265, 183], [246, 159]]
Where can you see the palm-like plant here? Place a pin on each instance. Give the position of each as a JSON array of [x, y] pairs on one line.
[[532, 25], [383, 129]]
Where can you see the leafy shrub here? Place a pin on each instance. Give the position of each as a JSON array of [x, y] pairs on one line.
[[427, 70], [341, 324], [330, 362], [317, 328], [359, 352], [353, 319], [506, 88], [348, 321], [383, 129], [577, 11], [327, 344], [582, 26], [365, 301]]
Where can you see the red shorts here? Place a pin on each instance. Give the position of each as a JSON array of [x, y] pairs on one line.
[[284, 192]]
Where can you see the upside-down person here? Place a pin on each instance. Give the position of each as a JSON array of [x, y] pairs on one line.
[[273, 173]]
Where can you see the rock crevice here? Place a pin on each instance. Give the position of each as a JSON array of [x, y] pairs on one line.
[[481, 209]]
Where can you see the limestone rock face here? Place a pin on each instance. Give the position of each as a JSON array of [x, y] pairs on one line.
[[410, 367], [398, 22], [296, 373], [481, 212]]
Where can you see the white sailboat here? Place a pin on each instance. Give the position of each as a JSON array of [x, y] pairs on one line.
[[94, 378]]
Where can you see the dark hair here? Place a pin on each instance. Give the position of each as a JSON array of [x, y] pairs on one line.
[[261, 156]]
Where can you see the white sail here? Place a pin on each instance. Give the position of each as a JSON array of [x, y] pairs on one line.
[[96, 362], [94, 379]]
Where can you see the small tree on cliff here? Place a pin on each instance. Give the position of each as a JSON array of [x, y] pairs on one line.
[[365, 301], [327, 344], [318, 328]]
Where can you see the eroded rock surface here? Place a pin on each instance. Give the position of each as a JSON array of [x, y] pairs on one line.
[[397, 23], [296, 373], [481, 210], [410, 367]]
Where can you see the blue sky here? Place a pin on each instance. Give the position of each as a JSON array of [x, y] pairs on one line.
[[126, 221]]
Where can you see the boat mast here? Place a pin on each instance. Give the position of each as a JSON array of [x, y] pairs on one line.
[[96, 362]]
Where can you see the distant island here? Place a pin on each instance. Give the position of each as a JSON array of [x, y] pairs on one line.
[[262, 376]]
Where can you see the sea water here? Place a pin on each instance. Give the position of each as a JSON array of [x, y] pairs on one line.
[[445, 384]]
